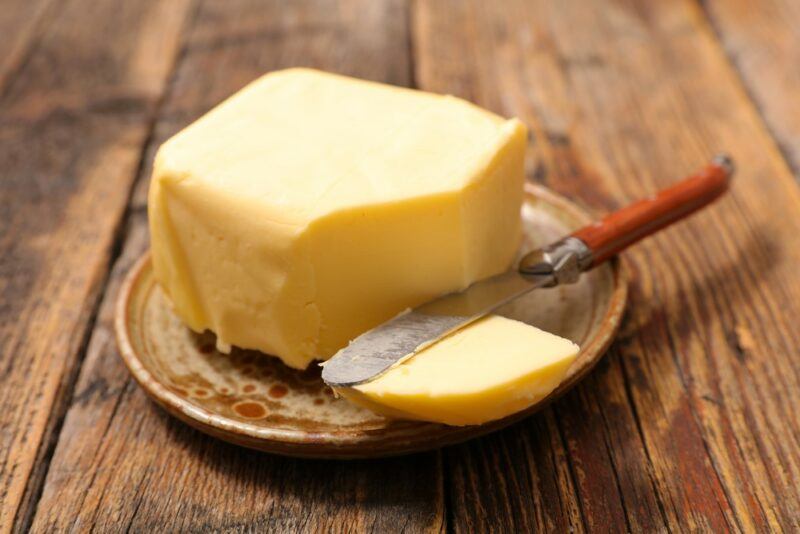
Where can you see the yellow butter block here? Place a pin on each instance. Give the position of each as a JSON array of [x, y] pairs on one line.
[[486, 371], [310, 207]]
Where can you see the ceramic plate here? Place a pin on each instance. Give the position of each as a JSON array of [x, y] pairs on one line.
[[253, 400]]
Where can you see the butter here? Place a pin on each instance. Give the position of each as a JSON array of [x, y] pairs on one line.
[[486, 371], [310, 207]]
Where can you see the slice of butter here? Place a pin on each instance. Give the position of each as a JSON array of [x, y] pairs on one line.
[[310, 207], [486, 371]]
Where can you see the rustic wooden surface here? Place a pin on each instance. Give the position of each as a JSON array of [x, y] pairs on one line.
[[689, 424]]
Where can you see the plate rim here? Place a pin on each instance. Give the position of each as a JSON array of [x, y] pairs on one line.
[[399, 437]]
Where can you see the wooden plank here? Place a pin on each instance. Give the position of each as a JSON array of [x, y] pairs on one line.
[[21, 23], [121, 463], [763, 41], [72, 127], [694, 424]]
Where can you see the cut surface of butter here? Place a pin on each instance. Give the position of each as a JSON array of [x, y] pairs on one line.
[[311, 207], [488, 370]]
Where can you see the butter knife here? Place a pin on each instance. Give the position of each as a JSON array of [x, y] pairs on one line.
[[376, 351]]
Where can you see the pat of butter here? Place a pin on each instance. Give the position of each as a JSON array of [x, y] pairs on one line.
[[310, 207], [493, 368]]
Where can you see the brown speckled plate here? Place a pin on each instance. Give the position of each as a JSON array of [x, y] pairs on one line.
[[253, 400]]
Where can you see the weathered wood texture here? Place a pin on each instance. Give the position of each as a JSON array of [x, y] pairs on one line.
[[762, 39], [19, 22], [73, 119], [692, 422], [123, 464]]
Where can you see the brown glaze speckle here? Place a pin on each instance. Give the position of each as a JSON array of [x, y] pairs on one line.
[[277, 391], [249, 388], [250, 410]]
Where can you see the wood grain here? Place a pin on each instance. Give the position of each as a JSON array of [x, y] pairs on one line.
[[72, 124], [762, 39], [21, 24], [121, 463], [693, 425]]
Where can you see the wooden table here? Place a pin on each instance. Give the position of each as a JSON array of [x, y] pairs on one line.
[[692, 420]]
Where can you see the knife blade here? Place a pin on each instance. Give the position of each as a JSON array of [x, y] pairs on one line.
[[376, 351]]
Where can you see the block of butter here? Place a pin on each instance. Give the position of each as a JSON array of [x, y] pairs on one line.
[[310, 207], [486, 371]]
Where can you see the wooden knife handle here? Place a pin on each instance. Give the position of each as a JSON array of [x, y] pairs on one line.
[[624, 227]]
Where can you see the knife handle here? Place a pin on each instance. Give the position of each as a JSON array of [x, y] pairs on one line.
[[563, 261], [624, 227]]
